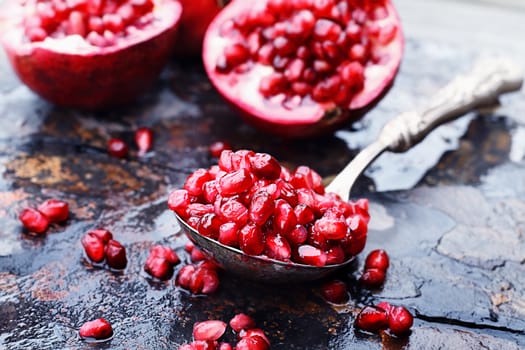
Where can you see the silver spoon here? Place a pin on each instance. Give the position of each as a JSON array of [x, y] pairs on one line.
[[481, 87]]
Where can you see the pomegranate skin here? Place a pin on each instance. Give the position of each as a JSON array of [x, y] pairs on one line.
[[194, 21], [72, 73], [308, 118]]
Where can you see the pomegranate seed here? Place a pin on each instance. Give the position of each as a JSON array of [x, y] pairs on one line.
[[179, 200], [235, 182], [203, 345], [251, 239], [76, 24], [158, 267], [36, 34], [331, 228], [208, 330], [225, 346], [335, 255], [358, 53], [353, 75], [97, 329], [117, 147], [377, 259], [261, 208], [252, 343], [210, 191], [265, 166], [144, 140], [94, 247], [304, 214], [272, 84], [234, 55], [217, 147], [195, 182], [116, 255], [104, 235], [203, 280], [198, 255], [33, 220], [372, 319], [229, 234], [233, 210], [166, 253], [209, 225], [310, 255], [55, 210], [241, 322], [298, 235], [372, 278], [184, 276], [400, 320], [385, 306], [335, 292], [284, 217], [277, 247]]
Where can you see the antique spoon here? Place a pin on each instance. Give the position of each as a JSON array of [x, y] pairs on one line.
[[481, 87]]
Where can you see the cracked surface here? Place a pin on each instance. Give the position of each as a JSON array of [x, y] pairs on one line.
[[456, 240]]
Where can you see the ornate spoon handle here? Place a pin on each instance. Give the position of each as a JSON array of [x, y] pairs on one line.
[[482, 86]]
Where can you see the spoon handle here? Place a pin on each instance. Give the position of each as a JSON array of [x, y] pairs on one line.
[[488, 79]]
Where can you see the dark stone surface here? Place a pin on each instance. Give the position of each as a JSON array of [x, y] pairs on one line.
[[456, 239]]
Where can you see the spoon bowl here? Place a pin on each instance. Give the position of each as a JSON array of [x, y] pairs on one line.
[[481, 87]]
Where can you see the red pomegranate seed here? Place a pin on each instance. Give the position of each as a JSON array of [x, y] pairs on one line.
[[235, 211], [241, 322], [104, 235], [196, 181], [372, 278], [158, 267], [261, 208], [251, 239], [203, 280], [198, 255], [55, 210], [116, 255], [335, 292], [33, 220], [265, 166], [97, 329], [311, 255], [225, 346], [209, 225], [209, 330], [272, 84], [179, 200], [331, 228], [166, 253], [203, 345], [304, 214], [298, 235], [144, 140], [117, 147], [234, 55], [184, 276], [377, 259], [284, 217], [252, 343], [229, 234], [400, 320], [94, 247], [277, 247], [235, 182], [335, 255], [372, 319], [217, 147]]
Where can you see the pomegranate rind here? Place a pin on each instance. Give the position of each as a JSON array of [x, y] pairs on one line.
[[309, 118], [71, 72]]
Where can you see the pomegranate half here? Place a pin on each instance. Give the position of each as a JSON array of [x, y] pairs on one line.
[[299, 68], [89, 54]]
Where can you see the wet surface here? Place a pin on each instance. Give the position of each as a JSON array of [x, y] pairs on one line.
[[452, 221]]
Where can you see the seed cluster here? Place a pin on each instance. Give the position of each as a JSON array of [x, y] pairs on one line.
[[100, 22], [317, 48], [384, 316], [250, 201]]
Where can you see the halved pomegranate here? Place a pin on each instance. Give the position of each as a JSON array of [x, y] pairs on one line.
[[89, 54], [303, 67]]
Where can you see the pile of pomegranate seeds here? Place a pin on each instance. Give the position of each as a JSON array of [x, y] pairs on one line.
[[376, 265], [101, 23], [161, 261], [98, 329], [100, 246], [397, 319], [207, 334], [249, 201], [315, 48], [48, 212]]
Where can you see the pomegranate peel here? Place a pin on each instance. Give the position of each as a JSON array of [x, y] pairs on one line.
[[72, 67], [294, 71]]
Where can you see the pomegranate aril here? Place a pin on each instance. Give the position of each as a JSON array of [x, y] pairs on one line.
[[294, 70], [335, 255], [284, 217], [97, 329], [143, 140], [372, 278], [372, 319], [210, 280], [277, 247], [96, 39], [55, 210], [335, 292], [310, 255], [298, 235], [113, 22], [265, 166], [76, 24], [196, 181], [104, 235], [217, 147], [225, 346], [209, 225], [117, 147], [228, 234], [261, 208], [252, 343], [331, 228], [235, 182], [184, 276], [241, 322], [158, 267], [358, 53], [233, 210], [198, 210], [233, 56], [94, 247], [272, 84], [400, 320], [33, 220], [210, 191], [208, 330], [377, 259], [251, 239], [116, 255], [166, 253], [36, 34]]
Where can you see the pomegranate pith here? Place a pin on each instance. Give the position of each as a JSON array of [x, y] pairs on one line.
[[302, 68], [90, 55]]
